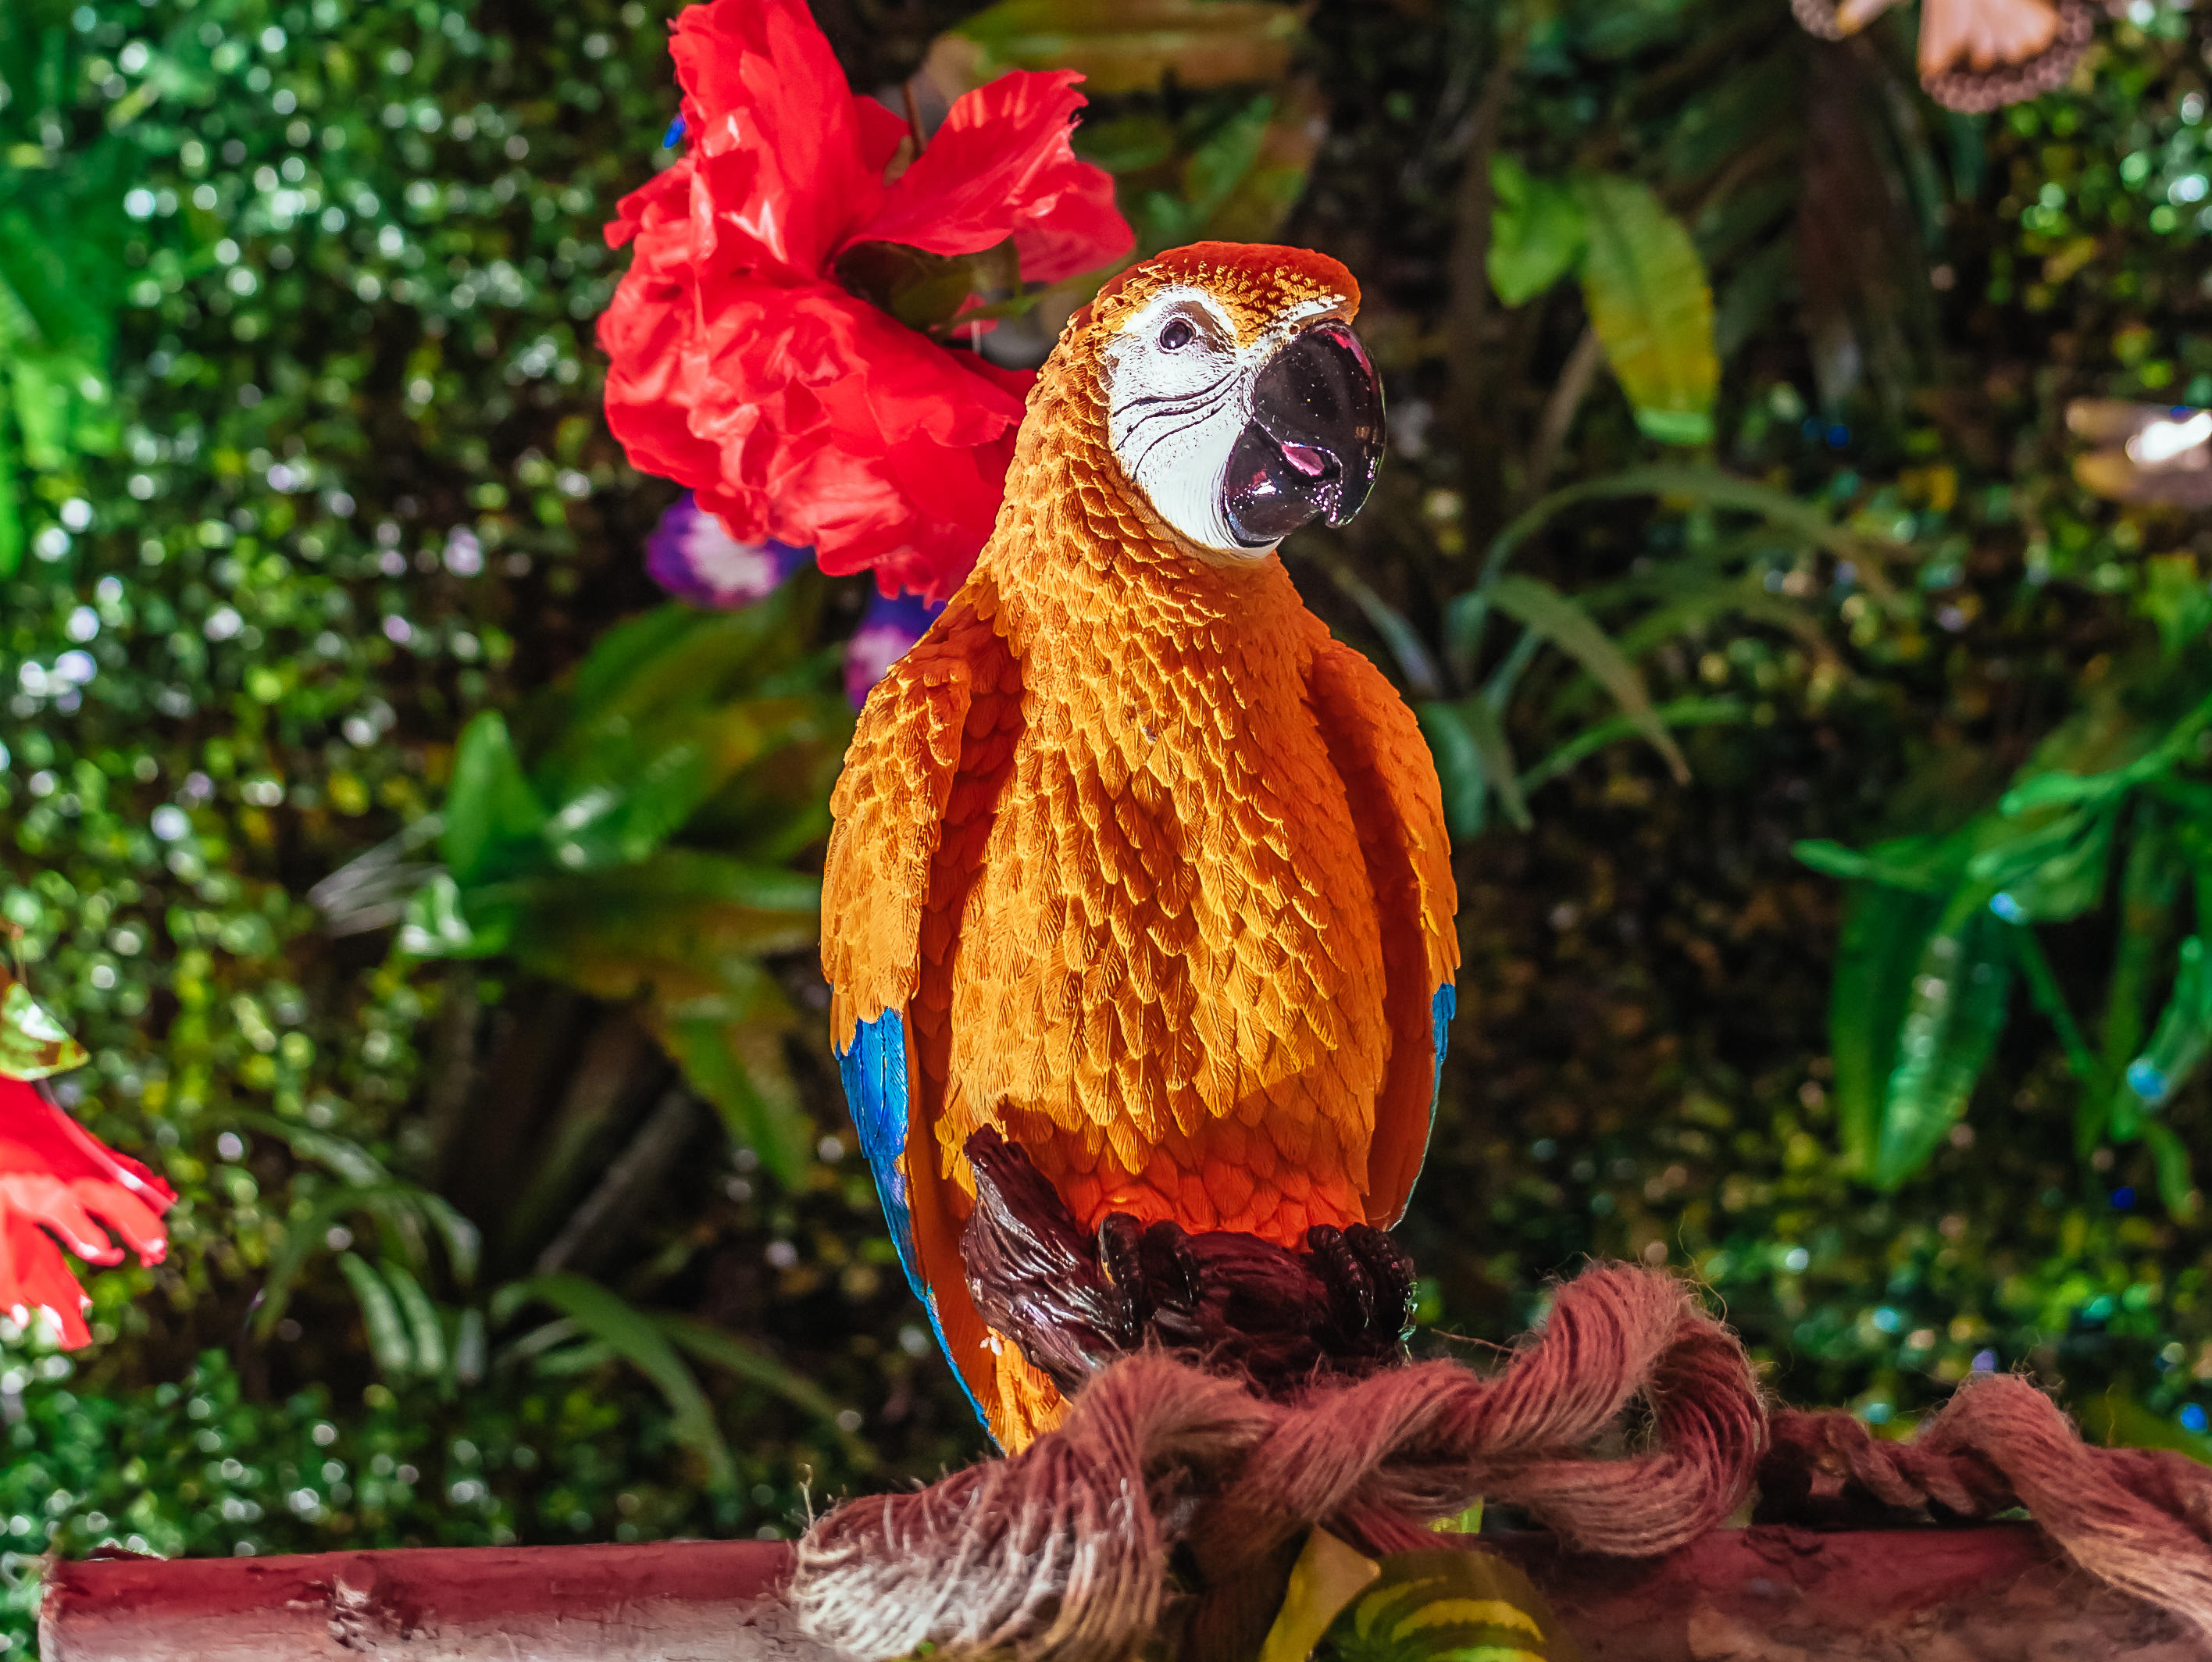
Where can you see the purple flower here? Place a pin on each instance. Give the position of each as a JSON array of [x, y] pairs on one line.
[[887, 629], [692, 557]]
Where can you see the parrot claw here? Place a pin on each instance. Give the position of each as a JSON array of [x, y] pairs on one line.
[[1342, 1307], [1370, 1283]]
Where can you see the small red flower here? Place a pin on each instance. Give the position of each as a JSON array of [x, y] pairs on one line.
[[743, 367], [59, 1182]]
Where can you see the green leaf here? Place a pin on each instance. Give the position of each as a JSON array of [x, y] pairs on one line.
[[2177, 1045], [2175, 597], [678, 927], [720, 1349], [2170, 1160], [1704, 487], [1648, 301], [1559, 619], [2056, 789], [1537, 231], [381, 1316], [634, 1337], [1675, 712], [404, 1207], [437, 924], [1923, 865], [1884, 931], [2049, 873], [425, 1334], [924, 290], [32, 1044], [2117, 1420], [11, 511], [492, 814], [1473, 757], [1459, 771], [1127, 45], [1959, 991], [739, 1068]]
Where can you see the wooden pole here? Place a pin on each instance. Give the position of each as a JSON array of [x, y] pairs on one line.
[[1990, 1593]]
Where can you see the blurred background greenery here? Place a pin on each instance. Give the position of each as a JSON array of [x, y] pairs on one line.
[[1825, 763]]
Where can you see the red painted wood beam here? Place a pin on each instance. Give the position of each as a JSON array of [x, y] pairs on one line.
[[1990, 1594]]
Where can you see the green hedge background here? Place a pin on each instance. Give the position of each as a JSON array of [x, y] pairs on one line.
[[306, 469]]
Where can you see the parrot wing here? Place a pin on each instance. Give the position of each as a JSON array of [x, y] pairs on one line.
[[1397, 805], [891, 803]]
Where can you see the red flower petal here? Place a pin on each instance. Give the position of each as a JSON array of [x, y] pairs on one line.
[[1001, 166], [741, 368], [58, 1180], [34, 1277], [769, 115]]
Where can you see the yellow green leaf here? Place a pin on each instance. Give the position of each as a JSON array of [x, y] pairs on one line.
[[1122, 45], [32, 1044], [1326, 1577], [1652, 308]]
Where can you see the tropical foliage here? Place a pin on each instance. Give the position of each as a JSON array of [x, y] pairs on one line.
[[1730, 516]]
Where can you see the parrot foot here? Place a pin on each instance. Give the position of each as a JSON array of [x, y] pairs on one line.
[[1342, 1307]]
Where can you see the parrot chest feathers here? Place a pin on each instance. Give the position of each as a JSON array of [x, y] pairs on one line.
[[1163, 975]]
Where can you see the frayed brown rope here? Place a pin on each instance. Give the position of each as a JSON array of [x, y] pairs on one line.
[[1061, 1553], [2137, 1519]]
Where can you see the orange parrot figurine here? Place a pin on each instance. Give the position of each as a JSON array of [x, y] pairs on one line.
[[1134, 864]]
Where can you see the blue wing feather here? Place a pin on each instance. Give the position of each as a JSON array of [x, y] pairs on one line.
[[1442, 1009], [876, 1089], [879, 1092]]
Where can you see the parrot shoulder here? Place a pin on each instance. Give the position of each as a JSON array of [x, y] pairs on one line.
[[889, 810], [1397, 805]]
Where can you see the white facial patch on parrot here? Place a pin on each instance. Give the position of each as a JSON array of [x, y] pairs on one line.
[[1178, 395]]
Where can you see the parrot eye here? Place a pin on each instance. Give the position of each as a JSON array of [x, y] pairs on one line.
[[1177, 335]]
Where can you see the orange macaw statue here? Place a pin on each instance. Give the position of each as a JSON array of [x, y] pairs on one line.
[[1132, 863]]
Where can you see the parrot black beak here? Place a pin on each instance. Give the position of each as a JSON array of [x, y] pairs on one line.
[[1313, 441]]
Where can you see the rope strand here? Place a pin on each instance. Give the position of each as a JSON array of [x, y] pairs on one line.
[[1061, 1553]]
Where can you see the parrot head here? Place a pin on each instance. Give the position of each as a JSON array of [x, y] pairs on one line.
[[1236, 397]]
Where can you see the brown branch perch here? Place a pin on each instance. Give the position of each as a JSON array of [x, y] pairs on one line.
[[1992, 1593]]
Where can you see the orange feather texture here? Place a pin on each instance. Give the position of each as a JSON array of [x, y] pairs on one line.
[[1154, 871]]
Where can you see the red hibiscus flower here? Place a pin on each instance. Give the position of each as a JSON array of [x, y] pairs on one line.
[[744, 363], [59, 1182]]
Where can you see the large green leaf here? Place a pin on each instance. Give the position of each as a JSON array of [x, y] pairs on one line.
[[1539, 606], [1537, 231], [1651, 308]]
